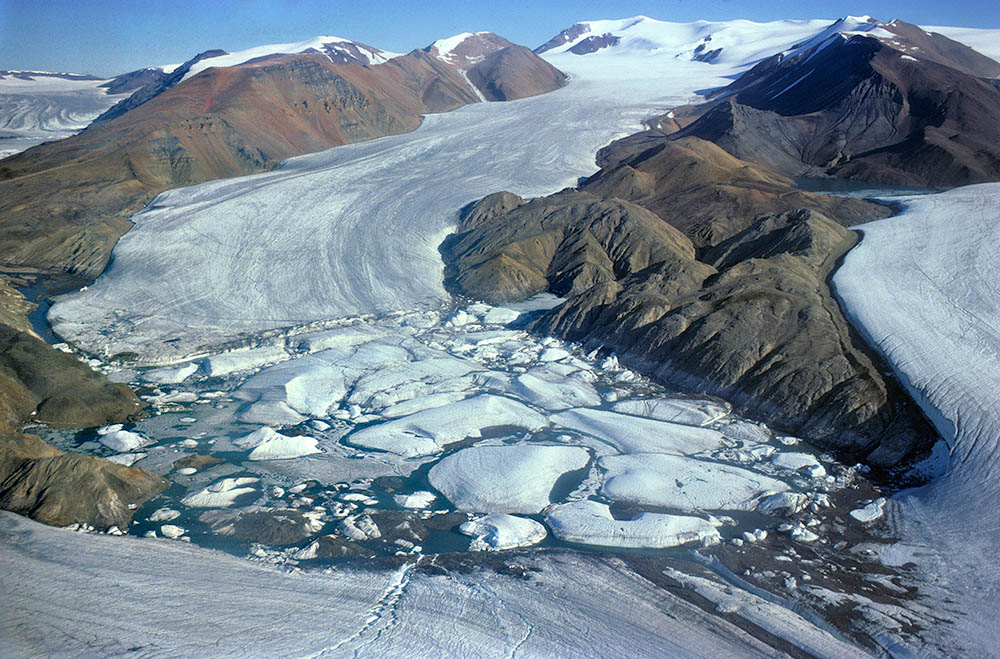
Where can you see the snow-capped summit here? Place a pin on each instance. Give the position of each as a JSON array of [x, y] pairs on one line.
[[736, 42], [467, 49], [339, 50]]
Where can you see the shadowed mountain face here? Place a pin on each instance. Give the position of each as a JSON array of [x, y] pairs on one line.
[[910, 108], [64, 204]]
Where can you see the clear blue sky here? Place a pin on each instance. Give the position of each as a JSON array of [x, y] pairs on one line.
[[107, 37]]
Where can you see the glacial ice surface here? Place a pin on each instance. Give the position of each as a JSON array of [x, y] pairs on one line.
[[924, 288]]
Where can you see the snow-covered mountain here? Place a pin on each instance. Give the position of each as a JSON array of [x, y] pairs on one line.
[[337, 49], [739, 42]]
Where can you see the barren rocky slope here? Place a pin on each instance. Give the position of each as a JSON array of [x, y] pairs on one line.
[[42, 385], [749, 318], [909, 108]]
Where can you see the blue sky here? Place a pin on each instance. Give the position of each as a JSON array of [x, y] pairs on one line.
[[113, 36]]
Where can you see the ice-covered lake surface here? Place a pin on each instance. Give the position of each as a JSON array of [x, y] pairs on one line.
[[432, 414], [924, 287]]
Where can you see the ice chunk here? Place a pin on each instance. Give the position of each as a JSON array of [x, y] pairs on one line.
[[496, 532], [500, 316], [123, 440], [164, 515], [390, 385], [747, 431], [632, 434], [871, 512], [552, 392], [429, 431], [221, 494], [309, 385], [782, 503], [505, 479], [170, 375], [689, 412], [421, 499], [273, 412], [591, 523], [421, 403], [338, 338], [171, 531], [802, 462], [270, 445], [553, 355], [127, 459], [683, 483], [360, 528], [243, 360]]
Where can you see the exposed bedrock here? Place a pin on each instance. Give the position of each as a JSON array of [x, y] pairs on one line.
[[41, 384], [750, 319]]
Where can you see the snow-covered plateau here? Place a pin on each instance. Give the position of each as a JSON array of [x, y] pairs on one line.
[[305, 366]]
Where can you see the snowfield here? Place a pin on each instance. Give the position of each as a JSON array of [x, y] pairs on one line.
[[924, 287]]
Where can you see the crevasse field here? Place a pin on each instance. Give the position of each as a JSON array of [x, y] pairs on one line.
[[295, 323]]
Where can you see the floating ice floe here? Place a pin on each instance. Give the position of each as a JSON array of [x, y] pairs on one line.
[[421, 499], [164, 515], [871, 512], [689, 412], [272, 412], [393, 384], [221, 494], [782, 503], [307, 386], [123, 440], [127, 459], [554, 392], [421, 403], [429, 431], [270, 445], [171, 531], [683, 483], [591, 523], [243, 360], [498, 532], [505, 479], [338, 338], [633, 434], [800, 462], [170, 375]]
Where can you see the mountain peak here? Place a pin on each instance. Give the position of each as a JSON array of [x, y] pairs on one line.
[[467, 48]]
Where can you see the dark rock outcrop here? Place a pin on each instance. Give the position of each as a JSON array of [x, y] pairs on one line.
[[270, 527], [705, 192], [39, 383], [750, 319], [912, 109]]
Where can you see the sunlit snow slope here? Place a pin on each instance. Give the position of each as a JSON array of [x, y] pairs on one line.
[[924, 286], [355, 229]]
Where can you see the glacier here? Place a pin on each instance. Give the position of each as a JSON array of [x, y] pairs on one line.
[[924, 288]]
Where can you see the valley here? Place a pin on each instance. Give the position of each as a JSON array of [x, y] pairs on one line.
[[566, 365]]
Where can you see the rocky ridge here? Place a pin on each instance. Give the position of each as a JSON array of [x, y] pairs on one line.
[[746, 314], [895, 105], [40, 384]]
